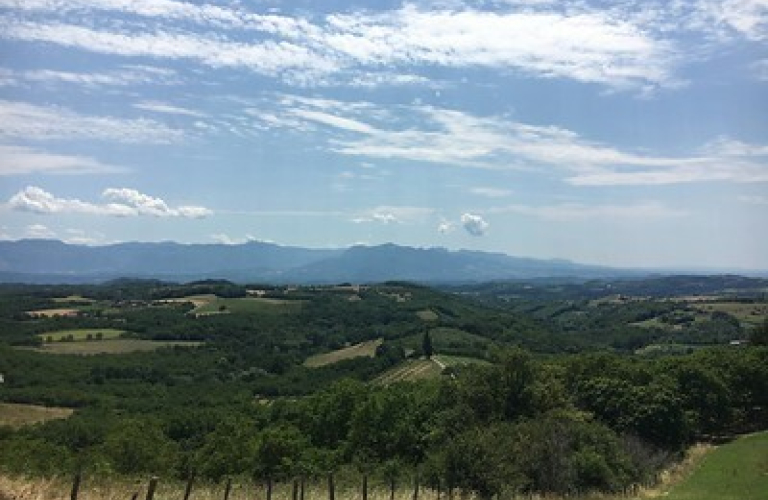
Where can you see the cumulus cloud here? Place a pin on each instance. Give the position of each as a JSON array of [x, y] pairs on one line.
[[394, 215], [124, 203], [474, 224], [446, 227]]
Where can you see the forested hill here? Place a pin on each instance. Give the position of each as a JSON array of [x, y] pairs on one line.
[[49, 261]]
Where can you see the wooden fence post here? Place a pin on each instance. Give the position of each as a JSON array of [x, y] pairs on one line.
[[228, 488], [392, 487], [301, 488], [416, 487], [295, 489], [269, 488], [365, 487], [152, 488], [331, 487], [188, 488], [75, 486]]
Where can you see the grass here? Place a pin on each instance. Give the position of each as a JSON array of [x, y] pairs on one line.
[[113, 346], [427, 315], [449, 360], [81, 335], [734, 471], [73, 299], [747, 314], [367, 349], [20, 488], [18, 415], [250, 305]]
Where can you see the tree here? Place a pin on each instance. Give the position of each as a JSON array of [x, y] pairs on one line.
[[426, 345]]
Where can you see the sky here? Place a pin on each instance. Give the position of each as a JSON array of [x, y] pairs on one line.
[[624, 132]]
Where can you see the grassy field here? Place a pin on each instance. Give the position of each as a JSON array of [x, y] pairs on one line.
[[367, 349], [427, 315], [734, 471], [250, 305], [747, 314], [50, 313], [81, 335], [73, 299], [17, 415], [113, 346]]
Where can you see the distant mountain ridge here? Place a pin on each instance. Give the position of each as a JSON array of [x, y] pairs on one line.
[[58, 262]]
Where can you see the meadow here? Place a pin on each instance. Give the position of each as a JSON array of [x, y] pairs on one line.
[[112, 346], [17, 415]]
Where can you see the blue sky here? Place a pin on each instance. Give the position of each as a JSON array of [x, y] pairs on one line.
[[630, 133]]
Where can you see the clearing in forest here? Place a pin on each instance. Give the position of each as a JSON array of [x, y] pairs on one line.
[[17, 415], [363, 349]]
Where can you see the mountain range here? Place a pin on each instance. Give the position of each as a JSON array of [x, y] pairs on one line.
[[52, 261]]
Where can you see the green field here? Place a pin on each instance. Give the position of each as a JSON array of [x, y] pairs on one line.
[[734, 471], [427, 315], [17, 415], [367, 349], [748, 314], [113, 346], [249, 305], [81, 334]]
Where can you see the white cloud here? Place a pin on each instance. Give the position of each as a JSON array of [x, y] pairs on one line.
[[491, 192], [128, 76], [474, 224], [124, 203], [394, 215], [28, 121], [446, 227], [450, 137], [748, 18], [20, 160], [165, 108], [580, 44], [39, 231]]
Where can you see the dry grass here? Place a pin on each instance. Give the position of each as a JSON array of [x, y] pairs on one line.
[[17, 415], [410, 370], [364, 349]]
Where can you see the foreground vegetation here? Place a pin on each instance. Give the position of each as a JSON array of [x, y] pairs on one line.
[[500, 396]]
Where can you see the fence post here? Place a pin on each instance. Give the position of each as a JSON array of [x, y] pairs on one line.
[[295, 490], [228, 488], [416, 487], [392, 487], [152, 488], [365, 487], [75, 486], [301, 488], [331, 487], [269, 488], [188, 488]]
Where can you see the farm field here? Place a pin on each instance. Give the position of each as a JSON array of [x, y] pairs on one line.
[[427, 315], [18, 415], [82, 334], [364, 349], [748, 314], [246, 306], [113, 346], [734, 471], [410, 370], [73, 299], [51, 313]]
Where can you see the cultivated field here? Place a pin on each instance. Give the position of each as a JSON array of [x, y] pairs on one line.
[[73, 299], [367, 349], [82, 334], [747, 314], [250, 305], [410, 370], [51, 313], [113, 346], [17, 415], [427, 315]]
